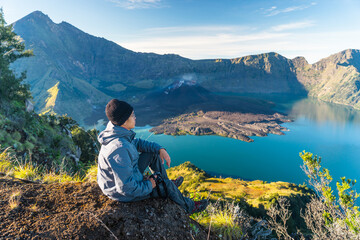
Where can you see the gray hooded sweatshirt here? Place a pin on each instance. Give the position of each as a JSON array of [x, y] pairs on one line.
[[118, 173]]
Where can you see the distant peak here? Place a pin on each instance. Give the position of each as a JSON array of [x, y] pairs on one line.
[[344, 58], [299, 61], [38, 12], [349, 52], [37, 16]]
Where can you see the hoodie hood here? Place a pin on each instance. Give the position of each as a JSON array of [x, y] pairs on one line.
[[112, 132]]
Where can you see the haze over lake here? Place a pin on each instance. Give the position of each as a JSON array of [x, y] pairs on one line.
[[327, 130]]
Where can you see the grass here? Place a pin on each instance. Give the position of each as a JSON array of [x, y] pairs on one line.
[[224, 222], [26, 171], [52, 177], [14, 200], [228, 196], [91, 174], [34, 207], [255, 193], [5, 165], [226, 219], [10, 166]]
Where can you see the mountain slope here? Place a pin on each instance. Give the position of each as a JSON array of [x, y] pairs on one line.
[[263, 73], [90, 70], [333, 79]]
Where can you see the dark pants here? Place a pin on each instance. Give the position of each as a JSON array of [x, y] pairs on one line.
[[153, 161]]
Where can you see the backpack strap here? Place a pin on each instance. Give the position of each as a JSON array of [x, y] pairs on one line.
[[160, 182]]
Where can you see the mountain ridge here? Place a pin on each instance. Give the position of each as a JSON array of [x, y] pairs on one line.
[[334, 79], [91, 70]]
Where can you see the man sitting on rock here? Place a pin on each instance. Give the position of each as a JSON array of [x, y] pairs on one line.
[[121, 167]]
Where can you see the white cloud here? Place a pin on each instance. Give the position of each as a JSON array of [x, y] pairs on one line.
[[205, 30], [292, 26], [135, 4], [270, 9], [273, 11], [198, 29], [211, 42]]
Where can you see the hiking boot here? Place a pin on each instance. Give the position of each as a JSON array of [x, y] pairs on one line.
[[200, 206], [178, 181]]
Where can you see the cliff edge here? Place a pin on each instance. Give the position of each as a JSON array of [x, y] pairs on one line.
[[31, 210]]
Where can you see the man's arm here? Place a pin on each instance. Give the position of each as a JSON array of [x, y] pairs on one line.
[[125, 183], [164, 156], [146, 146]]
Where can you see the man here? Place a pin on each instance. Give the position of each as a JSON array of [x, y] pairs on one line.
[[121, 167]]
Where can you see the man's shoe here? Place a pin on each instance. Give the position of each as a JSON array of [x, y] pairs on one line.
[[200, 206], [178, 181]]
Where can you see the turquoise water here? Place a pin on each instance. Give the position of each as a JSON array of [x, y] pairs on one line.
[[328, 130]]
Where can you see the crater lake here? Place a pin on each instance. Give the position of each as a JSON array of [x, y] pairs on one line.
[[328, 130]]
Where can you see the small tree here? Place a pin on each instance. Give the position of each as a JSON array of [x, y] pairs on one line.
[[326, 216], [12, 48]]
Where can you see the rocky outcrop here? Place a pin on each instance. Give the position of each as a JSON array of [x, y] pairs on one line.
[[234, 125], [80, 211]]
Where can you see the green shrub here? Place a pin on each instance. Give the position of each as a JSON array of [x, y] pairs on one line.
[[327, 216], [16, 136], [29, 146]]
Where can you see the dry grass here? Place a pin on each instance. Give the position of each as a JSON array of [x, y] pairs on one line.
[[229, 221], [5, 164], [10, 166], [14, 200], [26, 171], [59, 178], [34, 207], [91, 174]]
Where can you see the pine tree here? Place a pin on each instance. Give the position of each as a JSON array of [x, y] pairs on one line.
[[12, 48]]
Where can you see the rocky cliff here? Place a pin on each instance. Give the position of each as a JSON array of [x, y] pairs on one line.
[[333, 79]]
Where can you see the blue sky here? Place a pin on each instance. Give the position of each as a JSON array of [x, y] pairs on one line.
[[200, 29]]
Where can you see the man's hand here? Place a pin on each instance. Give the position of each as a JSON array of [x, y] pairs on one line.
[[165, 155], [153, 183]]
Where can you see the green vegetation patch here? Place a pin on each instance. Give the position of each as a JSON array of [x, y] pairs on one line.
[[258, 194], [145, 84], [117, 87]]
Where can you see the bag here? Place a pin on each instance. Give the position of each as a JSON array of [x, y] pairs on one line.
[[160, 184]]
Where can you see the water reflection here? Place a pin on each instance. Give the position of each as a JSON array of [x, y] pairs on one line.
[[321, 112]]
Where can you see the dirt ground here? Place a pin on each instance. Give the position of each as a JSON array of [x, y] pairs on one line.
[[80, 211]]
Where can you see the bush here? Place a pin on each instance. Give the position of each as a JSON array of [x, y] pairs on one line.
[[230, 221], [326, 216]]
